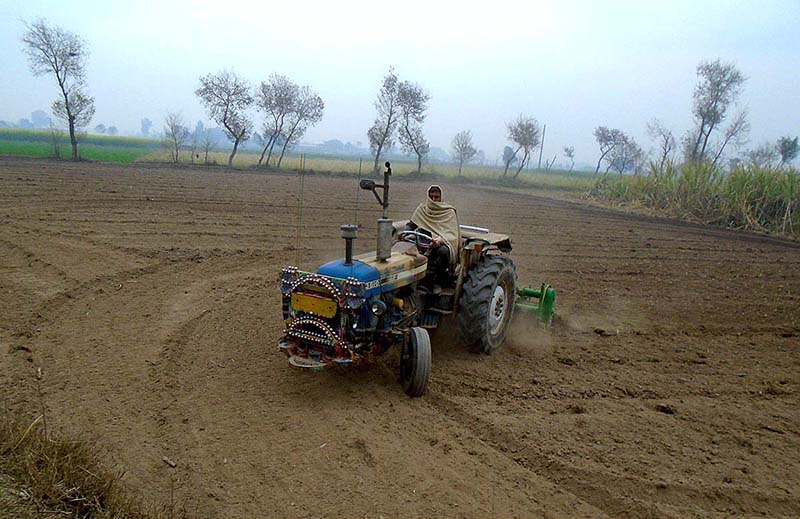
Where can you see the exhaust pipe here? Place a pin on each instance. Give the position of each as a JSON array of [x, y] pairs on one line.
[[385, 228], [349, 232]]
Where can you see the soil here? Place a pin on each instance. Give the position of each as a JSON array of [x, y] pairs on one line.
[[668, 386]]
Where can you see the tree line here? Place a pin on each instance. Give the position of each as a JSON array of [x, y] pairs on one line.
[[287, 111], [718, 124]]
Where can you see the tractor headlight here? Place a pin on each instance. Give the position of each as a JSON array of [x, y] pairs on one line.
[[355, 302], [354, 292], [378, 307]]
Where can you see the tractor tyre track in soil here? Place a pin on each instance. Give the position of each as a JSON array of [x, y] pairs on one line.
[[668, 386]]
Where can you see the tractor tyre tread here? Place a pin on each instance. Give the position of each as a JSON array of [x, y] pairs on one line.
[[420, 349], [475, 300]]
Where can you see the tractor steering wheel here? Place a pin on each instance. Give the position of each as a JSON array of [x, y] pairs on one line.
[[421, 240]]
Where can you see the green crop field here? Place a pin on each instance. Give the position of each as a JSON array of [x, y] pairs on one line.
[[104, 148], [118, 154], [126, 150]]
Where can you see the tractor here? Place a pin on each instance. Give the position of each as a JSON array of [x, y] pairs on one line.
[[359, 307]]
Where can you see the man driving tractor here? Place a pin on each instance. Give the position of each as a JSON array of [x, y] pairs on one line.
[[439, 220]]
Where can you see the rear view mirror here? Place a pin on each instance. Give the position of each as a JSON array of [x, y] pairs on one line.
[[367, 184]]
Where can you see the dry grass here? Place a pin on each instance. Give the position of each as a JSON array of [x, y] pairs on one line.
[[45, 477]]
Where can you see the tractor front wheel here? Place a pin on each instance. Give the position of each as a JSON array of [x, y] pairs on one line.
[[415, 362], [487, 303]]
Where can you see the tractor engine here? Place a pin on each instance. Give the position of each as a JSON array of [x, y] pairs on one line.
[[349, 308]]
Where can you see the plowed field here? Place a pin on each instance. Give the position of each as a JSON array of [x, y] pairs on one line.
[[668, 387]]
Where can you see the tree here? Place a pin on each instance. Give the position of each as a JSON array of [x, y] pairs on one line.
[[463, 150], [227, 97], [413, 103], [664, 140], [525, 134], [52, 50], [764, 156], [735, 133], [277, 98], [175, 135], [381, 133], [306, 112], [719, 86], [112, 130], [208, 143], [193, 144], [509, 157], [146, 125], [608, 139], [787, 149], [569, 153], [100, 128], [56, 136], [626, 155]]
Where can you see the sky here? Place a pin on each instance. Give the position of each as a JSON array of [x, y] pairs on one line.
[[572, 64]]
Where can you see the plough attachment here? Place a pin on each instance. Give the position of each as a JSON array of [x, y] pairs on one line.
[[541, 302]]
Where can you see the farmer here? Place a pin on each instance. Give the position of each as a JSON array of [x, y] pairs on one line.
[[439, 221]]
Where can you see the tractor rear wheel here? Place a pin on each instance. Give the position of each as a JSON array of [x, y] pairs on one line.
[[487, 303], [415, 362]]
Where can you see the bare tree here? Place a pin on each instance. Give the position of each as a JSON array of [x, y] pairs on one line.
[[764, 156], [569, 152], [787, 149], [719, 86], [608, 139], [626, 156], [175, 135], [381, 133], [307, 112], [525, 134], [735, 133], [208, 144], [227, 97], [52, 50], [463, 150], [56, 136], [413, 103], [665, 141], [277, 98], [193, 144]]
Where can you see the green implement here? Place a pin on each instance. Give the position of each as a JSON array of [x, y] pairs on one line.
[[541, 302]]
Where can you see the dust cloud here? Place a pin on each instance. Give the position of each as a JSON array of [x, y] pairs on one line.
[[527, 336]]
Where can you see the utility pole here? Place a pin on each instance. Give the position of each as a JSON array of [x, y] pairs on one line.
[[541, 147]]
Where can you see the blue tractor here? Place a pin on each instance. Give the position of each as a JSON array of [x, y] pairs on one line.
[[359, 307]]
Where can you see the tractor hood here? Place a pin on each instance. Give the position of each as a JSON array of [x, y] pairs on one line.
[[380, 276], [359, 270]]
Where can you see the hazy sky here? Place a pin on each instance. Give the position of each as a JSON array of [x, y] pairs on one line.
[[573, 65]]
